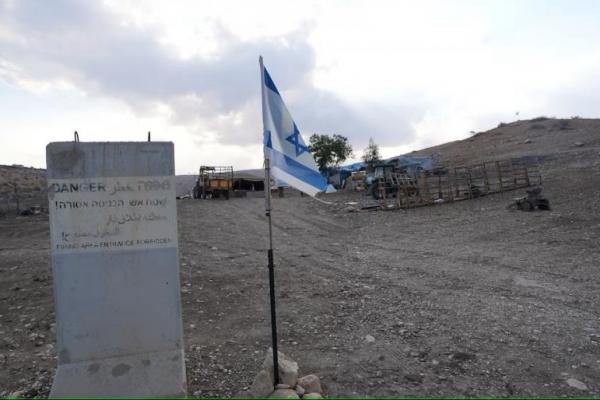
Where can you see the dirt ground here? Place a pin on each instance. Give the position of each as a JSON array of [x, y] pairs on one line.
[[464, 298]]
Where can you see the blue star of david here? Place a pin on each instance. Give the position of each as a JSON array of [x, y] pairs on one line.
[[295, 139]]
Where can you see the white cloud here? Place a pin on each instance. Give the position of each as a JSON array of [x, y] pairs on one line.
[[408, 74]]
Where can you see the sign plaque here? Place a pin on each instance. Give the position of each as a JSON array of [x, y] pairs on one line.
[[113, 232]]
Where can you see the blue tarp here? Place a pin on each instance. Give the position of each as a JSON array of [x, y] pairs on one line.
[[423, 162]]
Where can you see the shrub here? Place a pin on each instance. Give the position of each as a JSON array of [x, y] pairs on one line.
[[540, 119]]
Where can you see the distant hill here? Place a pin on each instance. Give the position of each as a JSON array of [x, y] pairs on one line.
[[26, 184], [185, 184]]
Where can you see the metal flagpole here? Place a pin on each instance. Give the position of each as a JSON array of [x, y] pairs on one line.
[[270, 251]]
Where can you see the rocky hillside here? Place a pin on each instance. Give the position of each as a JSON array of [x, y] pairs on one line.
[[543, 137], [24, 185]]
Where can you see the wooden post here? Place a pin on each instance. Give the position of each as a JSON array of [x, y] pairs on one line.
[[457, 193], [499, 173], [422, 187], [381, 187], [486, 181], [451, 184], [469, 181], [512, 171]]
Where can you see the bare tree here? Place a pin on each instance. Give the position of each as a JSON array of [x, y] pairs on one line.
[[371, 154]]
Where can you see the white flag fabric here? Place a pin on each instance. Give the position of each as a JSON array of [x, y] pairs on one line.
[[289, 157]]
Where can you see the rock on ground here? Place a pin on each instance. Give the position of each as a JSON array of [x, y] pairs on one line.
[[312, 396], [282, 386], [577, 384], [262, 385], [311, 384], [288, 368], [284, 394]]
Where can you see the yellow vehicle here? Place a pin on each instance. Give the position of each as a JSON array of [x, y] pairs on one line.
[[214, 182]]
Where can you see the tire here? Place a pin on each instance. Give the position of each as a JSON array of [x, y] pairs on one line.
[[543, 204]]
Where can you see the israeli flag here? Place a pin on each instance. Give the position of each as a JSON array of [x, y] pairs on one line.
[[288, 155]]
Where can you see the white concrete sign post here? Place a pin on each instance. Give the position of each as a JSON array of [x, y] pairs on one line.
[[113, 229]]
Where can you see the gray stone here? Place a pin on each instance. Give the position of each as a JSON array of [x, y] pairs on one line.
[[577, 384], [310, 383], [463, 356], [262, 386], [115, 266], [578, 144], [282, 386], [288, 368], [284, 394], [415, 378], [300, 390], [369, 339], [312, 396]]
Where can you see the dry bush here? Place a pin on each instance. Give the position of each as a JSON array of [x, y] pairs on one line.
[[540, 119]]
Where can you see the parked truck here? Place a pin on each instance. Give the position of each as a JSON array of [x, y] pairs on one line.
[[213, 182]]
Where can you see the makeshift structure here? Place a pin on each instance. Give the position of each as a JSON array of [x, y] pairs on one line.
[[443, 184]]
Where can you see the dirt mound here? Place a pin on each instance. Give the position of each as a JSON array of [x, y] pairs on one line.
[[539, 137]]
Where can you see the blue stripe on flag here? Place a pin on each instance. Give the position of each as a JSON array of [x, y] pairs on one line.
[[267, 136], [269, 82], [293, 167]]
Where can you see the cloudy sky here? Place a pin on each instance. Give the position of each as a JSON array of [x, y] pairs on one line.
[[410, 74]]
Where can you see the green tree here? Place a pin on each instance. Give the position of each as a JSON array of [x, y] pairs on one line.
[[329, 151], [371, 154]]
